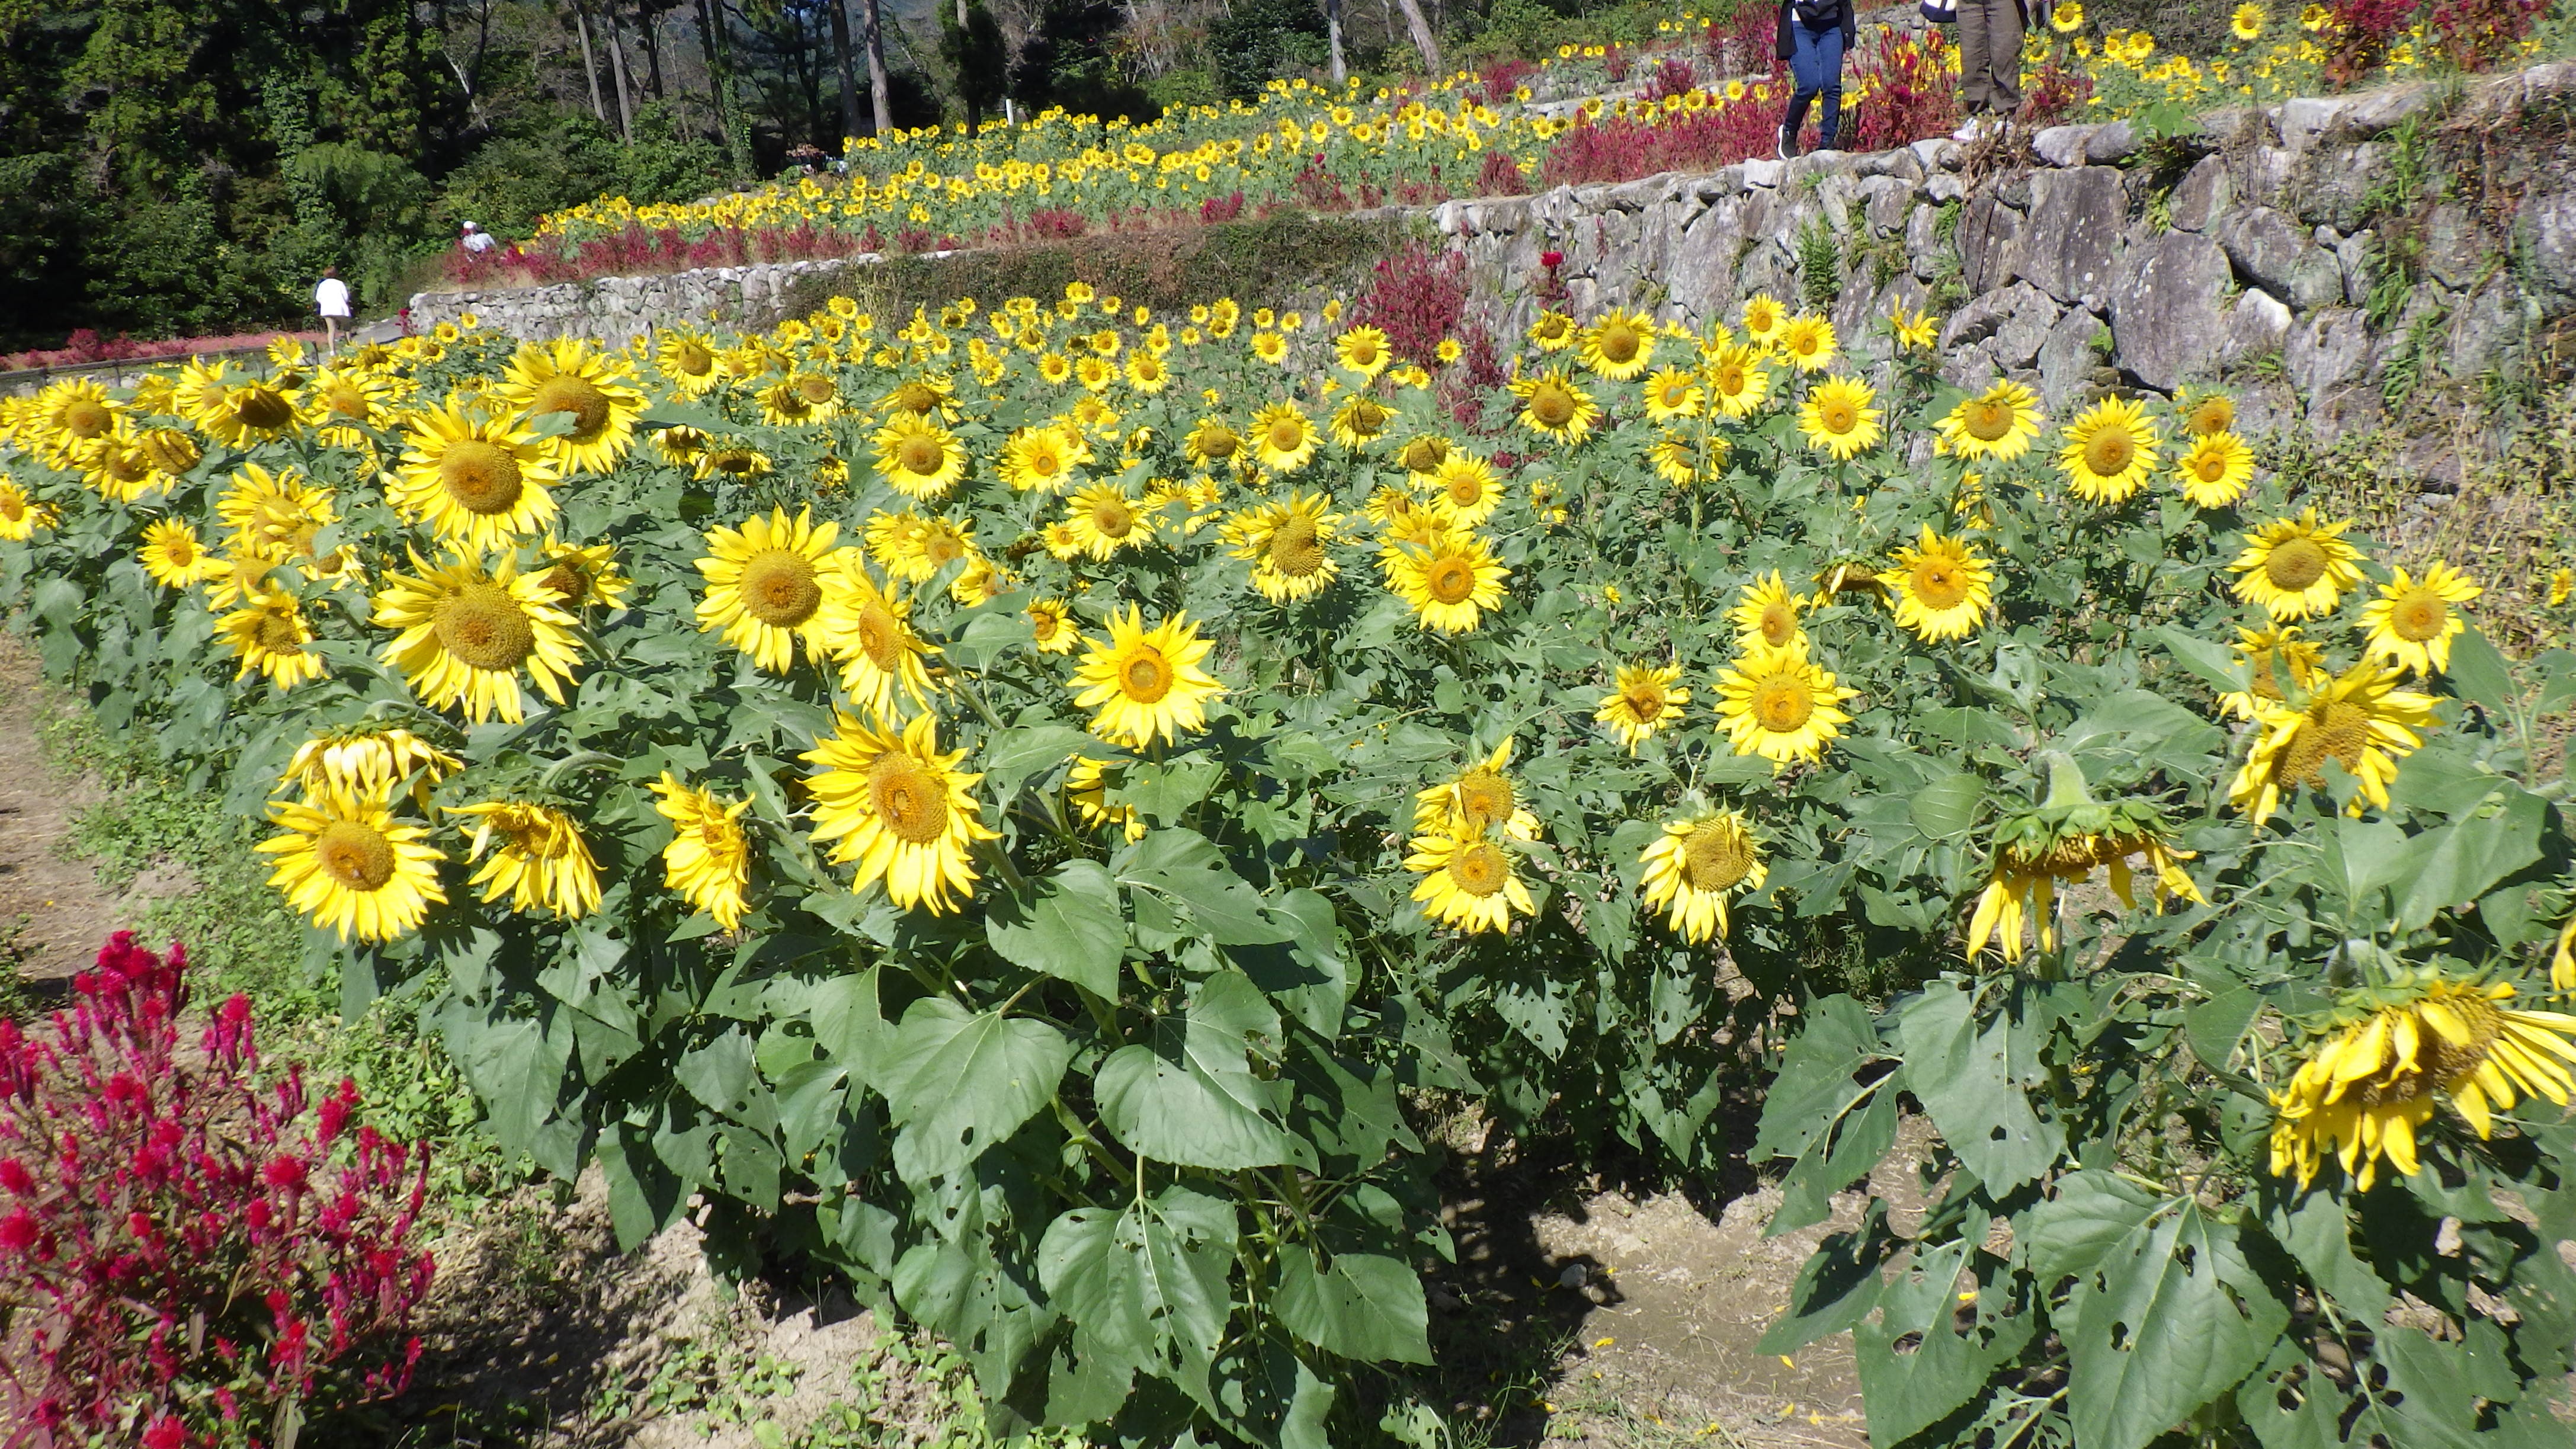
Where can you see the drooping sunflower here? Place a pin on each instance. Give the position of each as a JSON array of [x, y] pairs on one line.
[[1553, 332], [1695, 865], [2276, 660], [118, 468], [2110, 451], [900, 810], [687, 360], [926, 394], [2061, 843], [2210, 413], [1468, 881], [766, 583], [1762, 319], [235, 409], [1101, 519], [477, 482], [1677, 460], [1998, 423], [1838, 418], [1086, 787], [1051, 626], [869, 629], [1364, 350], [709, 858], [1643, 699], [1766, 615], [467, 633], [173, 452], [1942, 589], [1738, 383], [1422, 455], [2365, 1091], [1479, 798], [918, 458], [541, 865], [1778, 704], [269, 634], [2296, 568], [1146, 683], [1042, 459], [592, 391], [2412, 622], [345, 864], [1283, 439], [1466, 492], [2215, 469], [1553, 407], [1672, 393], [1287, 545], [1213, 441], [2361, 720], [367, 761], [733, 459], [579, 577], [173, 557], [800, 399], [1618, 346], [1450, 578], [1360, 421], [1807, 343]]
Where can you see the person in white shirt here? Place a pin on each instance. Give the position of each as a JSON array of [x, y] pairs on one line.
[[475, 239], [331, 299]]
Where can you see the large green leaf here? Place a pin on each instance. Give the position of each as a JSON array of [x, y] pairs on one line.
[[1180, 867], [1188, 1093], [2157, 1330], [1067, 925], [2455, 864], [1961, 1072], [1362, 1305], [1152, 1283], [962, 1081]]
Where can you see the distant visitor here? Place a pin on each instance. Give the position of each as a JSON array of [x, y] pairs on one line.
[[331, 299], [475, 238], [1814, 37], [1989, 63]]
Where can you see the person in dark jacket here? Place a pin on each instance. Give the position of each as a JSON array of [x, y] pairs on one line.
[[1814, 37]]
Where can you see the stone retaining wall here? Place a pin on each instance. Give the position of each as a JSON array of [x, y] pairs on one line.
[[615, 310]]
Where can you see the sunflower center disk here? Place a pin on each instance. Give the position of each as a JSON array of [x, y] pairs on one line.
[[1485, 799], [2110, 452], [1480, 869], [1988, 421], [2340, 732], [1286, 434], [262, 407], [1730, 380], [1450, 579], [919, 455], [355, 855], [1146, 676], [1113, 518], [878, 638], [908, 798], [1220, 443], [1783, 705], [1715, 859], [1779, 625], [1553, 406], [482, 477], [1646, 702], [485, 627], [2419, 616], [2295, 565], [915, 397], [693, 360], [1367, 417], [278, 634], [816, 391], [1938, 586], [1838, 415], [346, 401], [2210, 467], [568, 582], [1465, 489], [85, 419], [1424, 454], [1294, 550], [1619, 344], [779, 587], [585, 402]]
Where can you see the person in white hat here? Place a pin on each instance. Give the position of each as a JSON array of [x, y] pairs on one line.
[[331, 299], [475, 239]]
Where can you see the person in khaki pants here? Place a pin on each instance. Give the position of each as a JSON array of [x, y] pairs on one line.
[[1989, 60]]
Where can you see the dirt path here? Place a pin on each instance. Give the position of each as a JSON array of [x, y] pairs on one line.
[[53, 912]]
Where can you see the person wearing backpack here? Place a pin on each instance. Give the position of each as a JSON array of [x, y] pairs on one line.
[[1814, 37]]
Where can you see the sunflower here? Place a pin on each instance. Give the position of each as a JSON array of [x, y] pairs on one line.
[[173, 557], [1942, 589], [1837, 417], [20, 515], [1998, 423], [709, 858], [1762, 319], [870, 631], [2274, 658], [2210, 413], [346, 864], [1042, 459], [1086, 786], [2296, 568], [1283, 440], [118, 468], [1695, 865], [734, 460], [1422, 456], [1553, 332], [1466, 492], [2215, 469], [269, 634], [927, 395], [1146, 683], [1478, 799], [1766, 616], [70, 415], [1807, 343], [579, 577], [236, 411], [2360, 720], [2061, 843], [2364, 1092], [1051, 626], [1212, 441], [1917, 330], [1055, 368], [2246, 22], [1618, 346], [1287, 545], [914, 549], [345, 399], [591, 391], [474, 482], [1101, 519], [367, 760], [1095, 372], [687, 360], [1360, 421], [1672, 393], [800, 399], [172, 451], [1737, 381], [1777, 704], [766, 584], [1270, 347], [1676, 459], [918, 458], [2110, 451], [900, 810], [1363, 350], [2412, 622], [1643, 698], [1553, 407], [542, 863], [1467, 881], [466, 634], [1451, 578]]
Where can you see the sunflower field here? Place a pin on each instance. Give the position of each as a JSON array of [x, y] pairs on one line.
[[1036, 807]]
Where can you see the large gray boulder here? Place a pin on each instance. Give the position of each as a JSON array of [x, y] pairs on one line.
[[2074, 230], [2165, 317], [2275, 253]]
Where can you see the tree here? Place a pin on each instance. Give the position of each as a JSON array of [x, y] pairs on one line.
[[971, 41]]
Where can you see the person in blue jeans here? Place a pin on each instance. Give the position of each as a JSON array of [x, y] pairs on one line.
[[1814, 37]]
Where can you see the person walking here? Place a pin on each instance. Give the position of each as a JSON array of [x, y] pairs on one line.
[[331, 299], [1989, 63], [475, 239], [1814, 37]]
